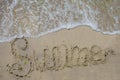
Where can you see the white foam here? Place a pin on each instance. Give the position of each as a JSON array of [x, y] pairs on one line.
[[68, 26], [60, 18]]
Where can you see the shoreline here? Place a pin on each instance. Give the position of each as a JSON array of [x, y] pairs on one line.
[[60, 29]]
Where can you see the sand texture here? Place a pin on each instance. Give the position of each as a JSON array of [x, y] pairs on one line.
[[75, 54]]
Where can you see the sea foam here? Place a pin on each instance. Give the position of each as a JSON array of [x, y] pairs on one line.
[[35, 18]]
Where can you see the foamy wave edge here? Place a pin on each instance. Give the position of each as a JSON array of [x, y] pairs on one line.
[[67, 26]]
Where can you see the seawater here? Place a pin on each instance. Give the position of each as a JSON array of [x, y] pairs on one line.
[[34, 18]]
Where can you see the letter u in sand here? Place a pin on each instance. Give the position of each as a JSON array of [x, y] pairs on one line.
[[48, 59], [55, 52]]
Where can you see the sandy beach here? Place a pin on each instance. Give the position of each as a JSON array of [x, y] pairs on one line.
[[75, 54], [59, 39]]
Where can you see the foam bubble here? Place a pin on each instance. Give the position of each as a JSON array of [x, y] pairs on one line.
[[36, 18]]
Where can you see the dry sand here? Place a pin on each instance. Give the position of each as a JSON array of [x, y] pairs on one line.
[[75, 54]]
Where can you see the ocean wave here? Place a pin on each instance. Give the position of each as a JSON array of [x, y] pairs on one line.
[[34, 18]]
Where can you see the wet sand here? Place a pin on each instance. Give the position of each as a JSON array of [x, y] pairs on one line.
[[75, 54]]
